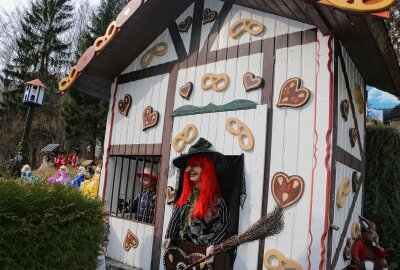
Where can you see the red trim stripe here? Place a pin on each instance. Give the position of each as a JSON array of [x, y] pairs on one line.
[[109, 139], [315, 155], [328, 157]]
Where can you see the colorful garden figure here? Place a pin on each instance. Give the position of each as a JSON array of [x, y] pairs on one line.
[[26, 172], [79, 178], [144, 203], [63, 160], [61, 177], [367, 248], [57, 161], [201, 215], [90, 188]]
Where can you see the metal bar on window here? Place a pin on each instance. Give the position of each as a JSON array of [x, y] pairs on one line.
[[113, 183], [141, 193], [133, 189], [119, 188], [149, 193], [126, 186]]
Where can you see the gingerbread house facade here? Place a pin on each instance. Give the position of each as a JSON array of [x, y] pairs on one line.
[[282, 82]]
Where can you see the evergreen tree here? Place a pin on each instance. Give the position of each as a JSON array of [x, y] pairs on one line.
[[84, 117], [41, 53]]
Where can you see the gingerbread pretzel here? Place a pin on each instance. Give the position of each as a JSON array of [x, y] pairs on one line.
[[250, 26], [284, 263], [217, 82], [159, 49], [187, 135], [241, 131]]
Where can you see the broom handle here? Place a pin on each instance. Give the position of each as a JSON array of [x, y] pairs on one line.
[[200, 261]]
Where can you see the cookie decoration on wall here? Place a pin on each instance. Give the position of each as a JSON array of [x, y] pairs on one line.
[[353, 136], [209, 15], [125, 104], [170, 195], [344, 109], [355, 181], [176, 259], [184, 26], [186, 90], [186, 136], [291, 95], [242, 132], [358, 97], [250, 26], [276, 260], [216, 82], [150, 117], [342, 191], [355, 230], [285, 189], [252, 82], [347, 250], [159, 49], [130, 241]]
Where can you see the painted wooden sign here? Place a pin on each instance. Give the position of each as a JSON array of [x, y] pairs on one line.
[[285, 189], [150, 117], [125, 104], [130, 241], [291, 95]]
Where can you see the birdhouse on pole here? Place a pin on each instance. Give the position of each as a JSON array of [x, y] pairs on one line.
[[34, 93]]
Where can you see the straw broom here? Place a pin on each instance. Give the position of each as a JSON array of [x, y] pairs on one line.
[[267, 226]]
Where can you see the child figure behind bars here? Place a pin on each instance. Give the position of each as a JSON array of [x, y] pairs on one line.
[[144, 203]]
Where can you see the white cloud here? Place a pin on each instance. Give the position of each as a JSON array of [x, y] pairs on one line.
[[382, 97]]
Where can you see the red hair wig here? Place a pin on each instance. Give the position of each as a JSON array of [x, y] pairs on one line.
[[209, 187]]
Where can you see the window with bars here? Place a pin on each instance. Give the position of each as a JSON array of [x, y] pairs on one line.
[[132, 187]]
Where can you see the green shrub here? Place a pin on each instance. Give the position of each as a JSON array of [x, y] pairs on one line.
[[48, 226], [382, 187]]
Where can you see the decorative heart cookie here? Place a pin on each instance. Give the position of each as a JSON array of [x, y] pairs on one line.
[[344, 109], [150, 117], [209, 15], [186, 90], [286, 190], [130, 241], [355, 181], [252, 82], [170, 195], [176, 259], [358, 97], [291, 95], [125, 104], [342, 191], [185, 25], [353, 136]]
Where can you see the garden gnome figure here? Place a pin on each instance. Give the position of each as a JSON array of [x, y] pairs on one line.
[[144, 203], [201, 215], [26, 172]]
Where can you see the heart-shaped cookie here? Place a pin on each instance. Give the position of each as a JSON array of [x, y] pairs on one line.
[[150, 117], [291, 95], [355, 181], [252, 82], [344, 109], [125, 104], [170, 195], [130, 241], [186, 90], [347, 249], [185, 25], [286, 190], [353, 136], [176, 259], [209, 15]]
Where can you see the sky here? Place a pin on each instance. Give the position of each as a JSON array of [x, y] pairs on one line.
[[10, 5], [381, 100]]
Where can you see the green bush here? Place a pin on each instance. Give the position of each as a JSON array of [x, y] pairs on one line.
[[382, 187], [48, 226]]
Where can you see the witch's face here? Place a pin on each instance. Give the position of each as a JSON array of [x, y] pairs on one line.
[[195, 173]]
